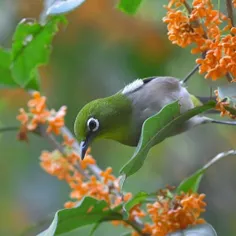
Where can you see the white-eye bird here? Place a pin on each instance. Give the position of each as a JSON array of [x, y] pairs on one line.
[[120, 117]]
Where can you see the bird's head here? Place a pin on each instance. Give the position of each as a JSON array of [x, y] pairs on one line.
[[103, 118]]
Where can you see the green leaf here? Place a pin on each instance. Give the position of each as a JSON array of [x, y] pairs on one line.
[[31, 48], [34, 83], [67, 220], [202, 229], [192, 182], [158, 127], [129, 6], [62, 7], [228, 92], [6, 79]]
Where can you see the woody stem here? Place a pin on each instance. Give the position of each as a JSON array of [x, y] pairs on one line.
[[93, 168], [11, 128], [51, 139], [135, 225], [230, 12]]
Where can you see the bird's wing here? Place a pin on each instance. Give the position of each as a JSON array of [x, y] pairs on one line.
[[150, 95]]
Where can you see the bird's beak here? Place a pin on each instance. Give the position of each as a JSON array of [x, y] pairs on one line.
[[83, 147]]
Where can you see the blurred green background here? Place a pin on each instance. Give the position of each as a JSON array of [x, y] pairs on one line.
[[99, 52]]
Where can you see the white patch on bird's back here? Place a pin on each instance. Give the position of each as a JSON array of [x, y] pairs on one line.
[[133, 86]]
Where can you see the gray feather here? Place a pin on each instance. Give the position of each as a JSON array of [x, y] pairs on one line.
[[153, 95]]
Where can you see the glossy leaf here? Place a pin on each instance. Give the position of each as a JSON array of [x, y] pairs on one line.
[[158, 127], [34, 83], [202, 229], [62, 7], [89, 211], [129, 6], [192, 183], [31, 47], [6, 79]]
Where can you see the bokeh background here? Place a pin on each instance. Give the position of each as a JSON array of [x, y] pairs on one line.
[[99, 52]]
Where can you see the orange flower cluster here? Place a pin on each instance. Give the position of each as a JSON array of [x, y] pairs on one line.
[[167, 214], [177, 213], [202, 26], [70, 168], [223, 107], [39, 114]]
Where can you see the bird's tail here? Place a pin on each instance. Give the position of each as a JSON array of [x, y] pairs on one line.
[[198, 101]]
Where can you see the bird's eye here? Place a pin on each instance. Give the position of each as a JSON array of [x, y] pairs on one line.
[[92, 124]]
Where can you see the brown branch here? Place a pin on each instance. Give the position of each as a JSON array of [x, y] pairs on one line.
[[10, 128], [230, 12], [93, 168], [187, 7], [229, 77], [51, 139]]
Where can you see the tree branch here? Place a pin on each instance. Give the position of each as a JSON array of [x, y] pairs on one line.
[[230, 12], [192, 72], [93, 168], [51, 139], [10, 128], [218, 157]]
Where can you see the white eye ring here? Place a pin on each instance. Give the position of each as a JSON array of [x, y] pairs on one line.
[[92, 124]]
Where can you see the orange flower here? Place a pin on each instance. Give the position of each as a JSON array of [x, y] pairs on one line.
[[37, 104], [22, 117], [201, 27], [67, 141], [169, 215], [107, 175], [56, 121], [234, 3], [88, 160], [222, 106], [55, 164], [70, 204], [136, 212]]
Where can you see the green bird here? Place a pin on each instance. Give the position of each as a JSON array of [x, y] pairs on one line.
[[120, 117]]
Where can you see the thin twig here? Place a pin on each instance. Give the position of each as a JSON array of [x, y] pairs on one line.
[[93, 168], [230, 12], [187, 7], [51, 139], [229, 77], [188, 76], [222, 122], [218, 157], [11, 128], [136, 227]]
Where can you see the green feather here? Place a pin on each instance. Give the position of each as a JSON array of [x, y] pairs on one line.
[[196, 101], [114, 114]]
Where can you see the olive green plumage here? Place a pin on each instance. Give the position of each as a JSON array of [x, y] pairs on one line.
[[114, 115], [120, 117]]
